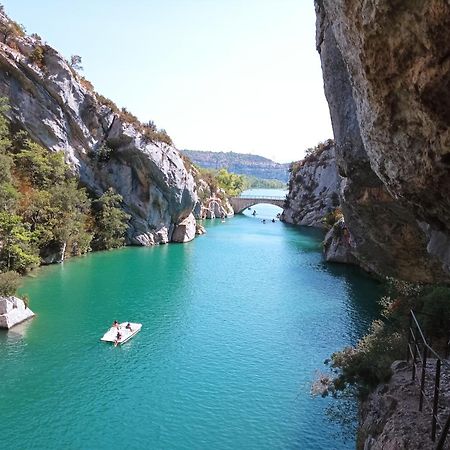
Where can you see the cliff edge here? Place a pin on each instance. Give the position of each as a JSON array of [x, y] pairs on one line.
[[386, 70], [104, 146]]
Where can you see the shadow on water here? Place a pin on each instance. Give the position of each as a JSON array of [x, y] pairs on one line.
[[356, 281]]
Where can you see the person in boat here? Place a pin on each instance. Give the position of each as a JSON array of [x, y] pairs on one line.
[[128, 327], [117, 340], [115, 324], [254, 212]]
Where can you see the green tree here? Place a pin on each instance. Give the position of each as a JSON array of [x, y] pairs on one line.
[[9, 283], [111, 221], [69, 216], [41, 167], [37, 56], [17, 252], [231, 183]]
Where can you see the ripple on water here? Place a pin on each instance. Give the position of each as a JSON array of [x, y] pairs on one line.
[[235, 324]]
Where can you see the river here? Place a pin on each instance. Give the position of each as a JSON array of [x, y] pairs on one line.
[[235, 326]]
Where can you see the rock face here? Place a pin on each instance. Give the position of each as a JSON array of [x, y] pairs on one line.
[[103, 148], [13, 311], [186, 230], [337, 245], [390, 417], [212, 202], [313, 189], [386, 71]]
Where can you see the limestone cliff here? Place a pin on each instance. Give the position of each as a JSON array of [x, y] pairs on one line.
[[386, 77], [314, 187], [212, 201], [104, 147]]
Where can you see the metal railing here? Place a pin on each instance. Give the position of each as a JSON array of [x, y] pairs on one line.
[[261, 197], [423, 357]]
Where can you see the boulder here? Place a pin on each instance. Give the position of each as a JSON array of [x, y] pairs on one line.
[[337, 245], [13, 311], [185, 231]]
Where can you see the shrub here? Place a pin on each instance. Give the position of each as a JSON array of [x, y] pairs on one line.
[[9, 283], [38, 56], [86, 84], [11, 30], [128, 117], [368, 363], [332, 217], [107, 102], [152, 134], [104, 153]]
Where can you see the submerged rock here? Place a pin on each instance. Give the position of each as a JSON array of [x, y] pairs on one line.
[[13, 311]]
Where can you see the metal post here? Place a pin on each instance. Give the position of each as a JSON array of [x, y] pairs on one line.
[[437, 380], [443, 436], [408, 348], [414, 358], [422, 381]]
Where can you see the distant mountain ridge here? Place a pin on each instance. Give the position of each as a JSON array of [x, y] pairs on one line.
[[240, 163]]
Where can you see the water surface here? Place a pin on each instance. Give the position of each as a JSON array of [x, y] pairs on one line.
[[235, 325]]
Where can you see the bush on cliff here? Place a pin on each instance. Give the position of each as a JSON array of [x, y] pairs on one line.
[[368, 363], [38, 56], [332, 217], [111, 221], [9, 283], [43, 210]]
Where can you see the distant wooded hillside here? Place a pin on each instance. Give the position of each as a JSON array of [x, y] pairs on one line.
[[240, 163]]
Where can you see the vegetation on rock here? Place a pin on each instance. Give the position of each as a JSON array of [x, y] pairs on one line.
[[368, 363], [43, 210], [9, 283], [311, 154], [221, 180], [332, 217], [110, 221]]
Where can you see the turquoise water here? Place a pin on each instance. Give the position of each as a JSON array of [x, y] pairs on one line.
[[235, 325]]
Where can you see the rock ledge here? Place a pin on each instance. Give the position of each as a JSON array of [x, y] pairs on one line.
[[13, 311]]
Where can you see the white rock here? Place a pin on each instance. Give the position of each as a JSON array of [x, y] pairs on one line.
[[13, 311], [185, 231]]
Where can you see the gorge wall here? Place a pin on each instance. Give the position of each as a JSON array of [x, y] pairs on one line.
[[386, 69], [103, 146], [313, 188]]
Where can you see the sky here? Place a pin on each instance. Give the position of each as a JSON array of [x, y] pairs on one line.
[[220, 75]]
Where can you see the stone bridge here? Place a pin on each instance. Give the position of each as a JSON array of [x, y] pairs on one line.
[[239, 204]]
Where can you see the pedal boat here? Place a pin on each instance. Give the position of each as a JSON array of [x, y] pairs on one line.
[[126, 334]]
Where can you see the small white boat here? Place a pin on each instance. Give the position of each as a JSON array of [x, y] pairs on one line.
[[120, 334]]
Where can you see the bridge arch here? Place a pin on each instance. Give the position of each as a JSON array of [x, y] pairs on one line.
[[240, 204]]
